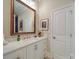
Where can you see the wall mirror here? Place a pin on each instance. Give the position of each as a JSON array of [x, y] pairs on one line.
[[22, 18]]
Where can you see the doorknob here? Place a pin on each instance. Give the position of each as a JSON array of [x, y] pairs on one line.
[[54, 37], [18, 57]]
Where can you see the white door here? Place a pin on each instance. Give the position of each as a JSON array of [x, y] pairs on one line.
[[62, 33]]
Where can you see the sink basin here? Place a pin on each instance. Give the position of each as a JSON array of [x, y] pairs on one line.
[[14, 45], [5, 42]]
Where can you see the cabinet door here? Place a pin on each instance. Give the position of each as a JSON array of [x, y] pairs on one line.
[[30, 52], [39, 50], [20, 54], [36, 50]]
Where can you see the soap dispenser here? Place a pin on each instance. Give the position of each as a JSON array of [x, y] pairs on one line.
[[18, 38]]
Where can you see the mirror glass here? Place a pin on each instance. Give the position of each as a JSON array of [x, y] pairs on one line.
[[24, 18]]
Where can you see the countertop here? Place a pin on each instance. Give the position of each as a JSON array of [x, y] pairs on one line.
[[12, 46]]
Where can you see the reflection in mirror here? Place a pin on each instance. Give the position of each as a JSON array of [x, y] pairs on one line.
[[23, 17]]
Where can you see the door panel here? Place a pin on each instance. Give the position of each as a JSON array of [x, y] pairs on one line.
[[59, 33], [39, 52], [31, 52], [60, 23], [70, 26]]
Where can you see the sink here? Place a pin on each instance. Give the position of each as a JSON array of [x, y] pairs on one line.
[[5, 42]]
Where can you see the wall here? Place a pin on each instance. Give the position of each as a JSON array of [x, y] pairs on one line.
[[6, 20], [45, 9]]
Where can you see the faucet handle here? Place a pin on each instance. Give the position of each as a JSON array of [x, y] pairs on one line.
[[18, 35]]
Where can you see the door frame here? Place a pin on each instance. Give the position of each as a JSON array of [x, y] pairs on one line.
[[51, 26]]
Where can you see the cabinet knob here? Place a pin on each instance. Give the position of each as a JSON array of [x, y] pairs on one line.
[[35, 47]]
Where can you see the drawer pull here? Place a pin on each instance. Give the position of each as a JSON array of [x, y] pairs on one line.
[[18, 57]]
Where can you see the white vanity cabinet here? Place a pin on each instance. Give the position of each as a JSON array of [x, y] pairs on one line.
[[36, 50], [31, 49], [18, 54]]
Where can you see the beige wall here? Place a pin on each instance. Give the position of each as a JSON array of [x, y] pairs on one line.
[[6, 21], [6, 18], [46, 7], [45, 10]]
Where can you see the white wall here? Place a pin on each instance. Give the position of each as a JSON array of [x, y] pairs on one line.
[[45, 9]]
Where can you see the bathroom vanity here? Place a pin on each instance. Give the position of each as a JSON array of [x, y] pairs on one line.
[[32, 48], [23, 21]]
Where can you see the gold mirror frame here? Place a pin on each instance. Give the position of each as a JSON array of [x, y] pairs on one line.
[[12, 18]]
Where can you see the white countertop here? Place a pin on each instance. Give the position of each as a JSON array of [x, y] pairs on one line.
[[12, 46]]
